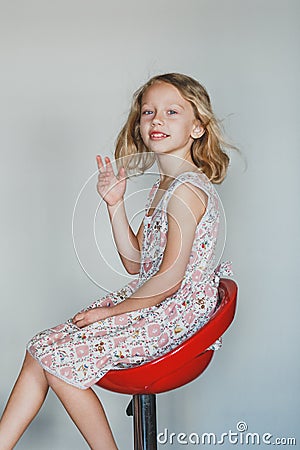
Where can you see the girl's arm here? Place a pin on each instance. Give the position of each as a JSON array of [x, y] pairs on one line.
[[128, 244], [185, 210], [112, 190]]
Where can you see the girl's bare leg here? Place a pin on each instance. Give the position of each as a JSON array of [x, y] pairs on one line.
[[25, 401], [87, 413], [28, 396]]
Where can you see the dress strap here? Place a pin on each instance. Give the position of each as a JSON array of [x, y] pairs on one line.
[[151, 195], [198, 179]]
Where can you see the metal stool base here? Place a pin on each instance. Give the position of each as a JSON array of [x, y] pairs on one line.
[[143, 409]]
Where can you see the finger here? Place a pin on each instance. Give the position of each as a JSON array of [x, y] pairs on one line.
[[103, 183], [109, 168], [103, 176], [82, 322], [121, 173], [99, 162], [78, 317]]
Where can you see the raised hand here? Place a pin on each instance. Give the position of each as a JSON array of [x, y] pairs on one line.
[[109, 186]]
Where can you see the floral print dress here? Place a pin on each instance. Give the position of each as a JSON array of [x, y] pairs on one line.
[[81, 356]]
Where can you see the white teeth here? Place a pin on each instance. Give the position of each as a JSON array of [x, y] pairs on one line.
[[158, 135]]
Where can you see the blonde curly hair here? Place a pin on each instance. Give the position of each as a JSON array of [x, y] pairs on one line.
[[207, 151]]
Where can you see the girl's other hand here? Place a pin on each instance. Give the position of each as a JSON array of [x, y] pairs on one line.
[[85, 318], [109, 186]]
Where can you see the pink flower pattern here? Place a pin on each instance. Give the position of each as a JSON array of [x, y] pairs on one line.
[[82, 356]]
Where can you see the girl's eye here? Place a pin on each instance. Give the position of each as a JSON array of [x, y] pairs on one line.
[[172, 112], [146, 112]]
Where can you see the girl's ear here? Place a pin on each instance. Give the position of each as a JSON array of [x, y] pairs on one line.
[[198, 130]]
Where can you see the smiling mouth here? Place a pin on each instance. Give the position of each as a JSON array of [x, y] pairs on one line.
[[155, 135]]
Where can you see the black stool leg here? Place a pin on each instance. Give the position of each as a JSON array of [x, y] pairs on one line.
[[144, 422]]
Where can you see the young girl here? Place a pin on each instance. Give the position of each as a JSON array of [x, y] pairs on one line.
[[170, 122]]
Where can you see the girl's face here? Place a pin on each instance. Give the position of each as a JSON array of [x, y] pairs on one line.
[[168, 123]]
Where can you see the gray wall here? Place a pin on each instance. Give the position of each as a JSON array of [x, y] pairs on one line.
[[68, 69]]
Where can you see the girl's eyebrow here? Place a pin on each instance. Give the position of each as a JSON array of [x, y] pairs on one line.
[[177, 105], [173, 105]]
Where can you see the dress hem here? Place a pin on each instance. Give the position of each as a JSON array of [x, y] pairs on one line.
[[52, 372]]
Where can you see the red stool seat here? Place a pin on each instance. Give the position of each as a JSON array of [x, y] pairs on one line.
[[176, 368], [184, 363]]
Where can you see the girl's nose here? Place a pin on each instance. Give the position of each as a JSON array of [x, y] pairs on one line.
[[157, 120]]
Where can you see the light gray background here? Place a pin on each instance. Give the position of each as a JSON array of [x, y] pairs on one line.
[[68, 69]]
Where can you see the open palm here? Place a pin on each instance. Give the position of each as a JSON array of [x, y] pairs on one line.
[[109, 186]]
